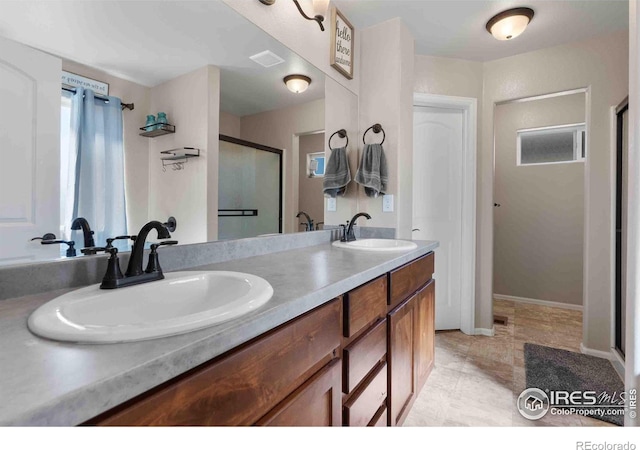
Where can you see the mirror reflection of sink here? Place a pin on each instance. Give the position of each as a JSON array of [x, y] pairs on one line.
[[182, 302], [377, 245]]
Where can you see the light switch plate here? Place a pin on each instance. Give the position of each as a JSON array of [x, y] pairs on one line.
[[387, 203], [331, 204]]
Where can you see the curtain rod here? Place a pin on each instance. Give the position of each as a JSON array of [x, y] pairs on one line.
[[66, 87]]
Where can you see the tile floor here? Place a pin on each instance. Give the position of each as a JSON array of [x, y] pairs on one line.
[[477, 379]]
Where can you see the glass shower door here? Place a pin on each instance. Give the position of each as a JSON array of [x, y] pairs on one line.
[[249, 189]]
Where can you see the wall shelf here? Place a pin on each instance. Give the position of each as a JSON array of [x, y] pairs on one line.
[[154, 131], [177, 157]]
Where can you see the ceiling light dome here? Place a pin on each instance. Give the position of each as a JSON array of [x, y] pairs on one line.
[[297, 83], [510, 23]]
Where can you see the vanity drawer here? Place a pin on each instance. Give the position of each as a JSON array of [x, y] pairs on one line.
[[362, 407], [364, 305], [407, 279], [242, 386], [362, 355]]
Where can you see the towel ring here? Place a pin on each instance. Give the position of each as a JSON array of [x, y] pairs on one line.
[[377, 128], [343, 134]]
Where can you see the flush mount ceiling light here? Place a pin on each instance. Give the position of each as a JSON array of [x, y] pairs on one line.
[[297, 83], [510, 23], [319, 10]]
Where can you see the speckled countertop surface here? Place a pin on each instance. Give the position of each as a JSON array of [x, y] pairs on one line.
[[45, 382]]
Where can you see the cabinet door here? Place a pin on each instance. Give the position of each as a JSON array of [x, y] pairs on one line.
[[425, 333], [317, 403], [401, 357]]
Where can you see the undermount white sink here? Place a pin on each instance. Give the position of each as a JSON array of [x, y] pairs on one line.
[[182, 302], [377, 245]]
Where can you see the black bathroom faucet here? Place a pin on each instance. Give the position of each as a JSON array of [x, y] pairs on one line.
[[309, 224], [135, 275], [348, 234], [80, 223]]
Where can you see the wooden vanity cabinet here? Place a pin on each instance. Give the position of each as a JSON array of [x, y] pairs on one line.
[[411, 323], [290, 370], [358, 360]]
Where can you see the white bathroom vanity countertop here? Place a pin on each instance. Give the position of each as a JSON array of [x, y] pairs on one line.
[[51, 383]]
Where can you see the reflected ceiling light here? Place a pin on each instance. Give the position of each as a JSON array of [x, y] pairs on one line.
[[319, 10], [297, 83], [510, 23]]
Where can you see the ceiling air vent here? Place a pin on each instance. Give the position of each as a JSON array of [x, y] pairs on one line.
[[267, 59]]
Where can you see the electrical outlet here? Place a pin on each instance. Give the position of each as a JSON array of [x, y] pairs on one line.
[[387, 203], [332, 204]]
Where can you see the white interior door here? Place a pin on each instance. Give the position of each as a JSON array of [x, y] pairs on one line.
[[437, 201], [30, 103]]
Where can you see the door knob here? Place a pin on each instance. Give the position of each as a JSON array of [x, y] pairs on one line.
[[497, 205]]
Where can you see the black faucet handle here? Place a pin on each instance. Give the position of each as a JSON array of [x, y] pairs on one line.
[[113, 273], [71, 250], [153, 266], [110, 240], [45, 237], [155, 246], [344, 232]]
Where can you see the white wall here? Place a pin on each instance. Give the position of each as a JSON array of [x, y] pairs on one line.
[[189, 194], [602, 65], [341, 112], [386, 97], [136, 147], [229, 124]]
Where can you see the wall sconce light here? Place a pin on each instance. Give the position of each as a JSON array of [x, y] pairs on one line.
[[319, 10], [510, 23], [297, 83]]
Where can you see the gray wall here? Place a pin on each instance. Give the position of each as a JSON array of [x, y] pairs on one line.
[[539, 227], [310, 197]]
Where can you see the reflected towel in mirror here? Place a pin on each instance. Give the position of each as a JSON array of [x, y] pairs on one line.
[[337, 174]]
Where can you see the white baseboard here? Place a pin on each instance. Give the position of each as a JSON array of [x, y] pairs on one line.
[[599, 353], [534, 301], [485, 331], [618, 363]]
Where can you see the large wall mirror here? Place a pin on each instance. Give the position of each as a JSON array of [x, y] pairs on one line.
[[243, 169]]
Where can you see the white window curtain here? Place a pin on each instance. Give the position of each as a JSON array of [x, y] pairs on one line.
[[92, 173]]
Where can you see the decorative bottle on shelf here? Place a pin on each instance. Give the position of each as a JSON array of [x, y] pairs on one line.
[[162, 119], [151, 120]]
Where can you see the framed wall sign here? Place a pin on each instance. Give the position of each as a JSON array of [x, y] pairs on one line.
[[342, 36], [76, 80]]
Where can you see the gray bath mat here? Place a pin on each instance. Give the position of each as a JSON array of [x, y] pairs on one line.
[[552, 369]]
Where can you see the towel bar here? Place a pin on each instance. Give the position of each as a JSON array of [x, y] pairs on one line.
[[343, 134], [377, 128]]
